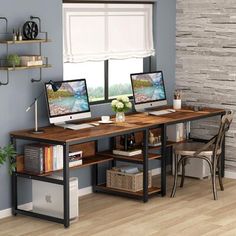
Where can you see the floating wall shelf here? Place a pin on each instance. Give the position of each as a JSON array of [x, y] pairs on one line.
[[7, 42]]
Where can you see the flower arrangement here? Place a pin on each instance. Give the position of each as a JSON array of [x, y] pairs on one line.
[[121, 104]]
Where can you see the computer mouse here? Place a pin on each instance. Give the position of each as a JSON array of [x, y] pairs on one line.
[[171, 110]]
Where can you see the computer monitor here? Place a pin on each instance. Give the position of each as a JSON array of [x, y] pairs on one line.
[[69, 102], [148, 90]]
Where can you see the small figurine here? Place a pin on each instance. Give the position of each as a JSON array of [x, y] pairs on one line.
[[152, 139]]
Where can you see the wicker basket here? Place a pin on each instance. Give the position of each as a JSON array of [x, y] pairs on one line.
[[128, 182]]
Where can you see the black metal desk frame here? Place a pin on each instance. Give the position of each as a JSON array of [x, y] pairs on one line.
[[65, 181]]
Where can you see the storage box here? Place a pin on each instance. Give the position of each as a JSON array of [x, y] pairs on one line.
[[31, 60], [128, 182], [176, 133]]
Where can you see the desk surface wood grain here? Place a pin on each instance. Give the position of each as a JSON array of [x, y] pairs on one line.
[[134, 122]]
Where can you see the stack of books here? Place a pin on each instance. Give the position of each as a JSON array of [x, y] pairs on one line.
[[127, 153], [44, 158]]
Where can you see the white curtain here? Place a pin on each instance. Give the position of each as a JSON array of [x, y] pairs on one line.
[[95, 32]]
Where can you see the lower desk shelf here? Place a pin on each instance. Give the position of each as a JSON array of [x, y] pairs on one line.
[[105, 189], [135, 158], [87, 161]]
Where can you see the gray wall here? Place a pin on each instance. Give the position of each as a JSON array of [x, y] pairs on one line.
[[15, 97], [20, 92]]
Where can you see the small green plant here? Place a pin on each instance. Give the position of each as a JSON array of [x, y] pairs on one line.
[[13, 60], [8, 154]]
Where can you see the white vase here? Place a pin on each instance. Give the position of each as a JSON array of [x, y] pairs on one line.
[[120, 117], [177, 104]]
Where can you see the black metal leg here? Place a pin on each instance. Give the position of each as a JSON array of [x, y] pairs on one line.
[[14, 194], [163, 160], [14, 185], [126, 142], [95, 176], [66, 185], [145, 165], [112, 147]]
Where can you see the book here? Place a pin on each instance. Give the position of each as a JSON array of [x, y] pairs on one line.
[[48, 158], [127, 153], [54, 157], [59, 157], [34, 158]]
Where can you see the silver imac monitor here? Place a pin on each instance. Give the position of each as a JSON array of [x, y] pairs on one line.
[[68, 102], [148, 90]]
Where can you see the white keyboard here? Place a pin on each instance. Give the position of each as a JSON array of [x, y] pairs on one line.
[[161, 112], [78, 127]]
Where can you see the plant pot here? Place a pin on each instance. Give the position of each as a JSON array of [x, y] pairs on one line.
[[177, 104], [120, 117]]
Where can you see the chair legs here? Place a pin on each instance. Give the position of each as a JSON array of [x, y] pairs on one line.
[[214, 182], [178, 161], [219, 175], [183, 173]]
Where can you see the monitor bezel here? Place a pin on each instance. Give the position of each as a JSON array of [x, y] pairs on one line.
[[151, 102], [68, 116]]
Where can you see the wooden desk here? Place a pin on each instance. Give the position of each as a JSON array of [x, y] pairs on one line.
[[134, 123]]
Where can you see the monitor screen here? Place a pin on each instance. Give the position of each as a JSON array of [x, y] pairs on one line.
[[149, 89], [69, 100]]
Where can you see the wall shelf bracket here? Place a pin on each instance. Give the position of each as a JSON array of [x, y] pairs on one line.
[[6, 21], [7, 82], [40, 77]]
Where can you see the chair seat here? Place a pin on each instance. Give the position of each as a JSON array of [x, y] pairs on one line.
[[189, 148]]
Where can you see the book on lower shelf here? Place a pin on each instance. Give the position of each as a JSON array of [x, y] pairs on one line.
[[127, 153], [43, 158]]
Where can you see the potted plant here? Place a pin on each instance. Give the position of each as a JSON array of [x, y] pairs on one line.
[[13, 60], [8, 154], [120, 105]]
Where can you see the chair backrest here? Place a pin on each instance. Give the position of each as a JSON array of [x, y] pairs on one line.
[[226, 121]]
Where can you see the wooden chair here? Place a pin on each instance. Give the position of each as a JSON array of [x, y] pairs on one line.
[[210, 152]]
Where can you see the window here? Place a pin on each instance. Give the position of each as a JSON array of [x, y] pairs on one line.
[[94, 74], [104, 43], [118, 79], [119, 76]]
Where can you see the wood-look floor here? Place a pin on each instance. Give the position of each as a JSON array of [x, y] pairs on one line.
[[192, 212]]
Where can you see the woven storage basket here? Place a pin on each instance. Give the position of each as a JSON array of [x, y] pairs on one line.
[[129, 182]]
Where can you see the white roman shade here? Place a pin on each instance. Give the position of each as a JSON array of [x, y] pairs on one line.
[[95, 32]]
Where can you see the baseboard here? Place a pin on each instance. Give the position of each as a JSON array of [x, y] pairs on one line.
[[7, 212], [82, 192], [85, 191], [230, 174], [156, 171]]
